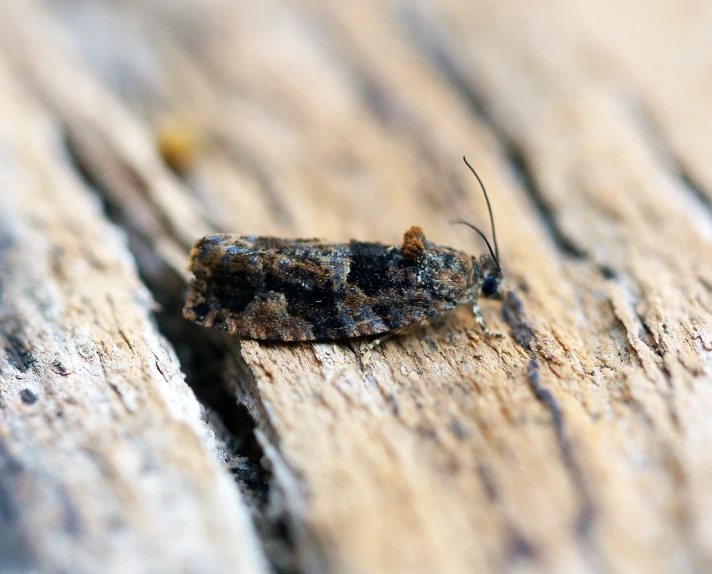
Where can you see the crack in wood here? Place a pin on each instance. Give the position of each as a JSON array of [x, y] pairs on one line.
[[17, 352], [202, 354]]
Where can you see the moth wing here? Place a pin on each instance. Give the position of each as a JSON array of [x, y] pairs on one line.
[[304, 290]]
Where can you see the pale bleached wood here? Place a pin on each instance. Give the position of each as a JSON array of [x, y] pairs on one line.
[[444, 451]]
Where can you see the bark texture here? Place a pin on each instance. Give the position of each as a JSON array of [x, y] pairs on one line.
[[578, 443]]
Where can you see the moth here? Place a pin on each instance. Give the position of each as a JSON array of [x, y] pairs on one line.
[[274, 289]]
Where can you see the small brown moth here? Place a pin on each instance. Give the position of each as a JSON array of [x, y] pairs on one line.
[[274, 289]]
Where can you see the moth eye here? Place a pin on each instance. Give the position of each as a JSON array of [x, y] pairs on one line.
[[489, 286]]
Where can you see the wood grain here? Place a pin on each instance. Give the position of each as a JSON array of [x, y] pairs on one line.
[[575, 444], [105, 463]]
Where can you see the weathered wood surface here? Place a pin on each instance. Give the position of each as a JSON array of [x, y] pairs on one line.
[[579, 443], [105, 464]]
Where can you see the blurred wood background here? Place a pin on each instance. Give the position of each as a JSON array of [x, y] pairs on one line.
[[578, 443]]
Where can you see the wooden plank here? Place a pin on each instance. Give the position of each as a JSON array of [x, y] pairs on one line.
[[577, 443], [105, 462]]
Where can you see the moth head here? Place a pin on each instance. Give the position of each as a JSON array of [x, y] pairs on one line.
[[491, 276]]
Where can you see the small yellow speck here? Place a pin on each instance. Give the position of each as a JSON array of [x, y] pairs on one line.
[[178, 143]]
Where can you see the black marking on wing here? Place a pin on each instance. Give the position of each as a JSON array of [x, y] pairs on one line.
[[392, 316], [201, 311], [278, 289], [376, 268], [369, 267], [235, 291]]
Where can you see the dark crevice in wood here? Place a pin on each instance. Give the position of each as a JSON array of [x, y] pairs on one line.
[[608, 272], [16, 350], [513, 314], [522, 169], [643, 331], [692, 186], [277, 526], [648, 337], [202, 354], [519, 549]]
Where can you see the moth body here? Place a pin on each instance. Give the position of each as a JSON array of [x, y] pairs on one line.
[[274, 289]]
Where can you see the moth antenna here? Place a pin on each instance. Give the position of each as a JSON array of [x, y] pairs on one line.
[[489, 208], [482, 235]]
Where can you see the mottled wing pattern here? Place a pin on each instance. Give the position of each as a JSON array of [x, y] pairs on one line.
[[301, 289]]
